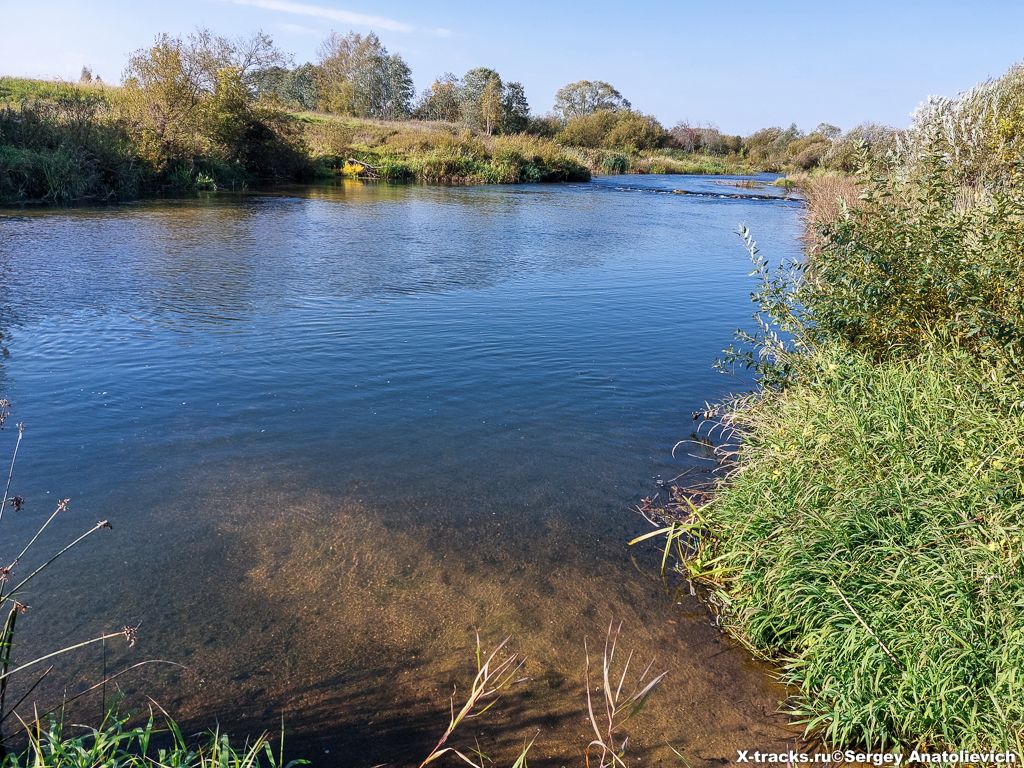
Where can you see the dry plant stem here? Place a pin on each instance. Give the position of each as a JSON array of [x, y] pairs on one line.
[[8, 595], [864, 624], [617, 707], [492, 678], [10, 472], [62, 505], [61, 651]]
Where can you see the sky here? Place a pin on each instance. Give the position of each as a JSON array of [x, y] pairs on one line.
[[740, 65]]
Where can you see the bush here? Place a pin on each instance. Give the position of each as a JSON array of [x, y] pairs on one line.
[[65, 150], [922, 255], [614, 129]]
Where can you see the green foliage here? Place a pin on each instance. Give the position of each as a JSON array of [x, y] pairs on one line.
[[435, 154], [293, 88], [15, 90], [615, 164], [869, 540], [585, 97], [867, 537], [357, 76], [442, 101], [703, 139], [613, 129], [66, 149], [921, 256]]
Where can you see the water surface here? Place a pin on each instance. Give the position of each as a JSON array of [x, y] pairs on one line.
[[341, 429]]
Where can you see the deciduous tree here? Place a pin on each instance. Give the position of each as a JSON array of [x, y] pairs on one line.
[[585, 97]]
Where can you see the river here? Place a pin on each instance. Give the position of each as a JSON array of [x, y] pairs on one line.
[[340, 429]]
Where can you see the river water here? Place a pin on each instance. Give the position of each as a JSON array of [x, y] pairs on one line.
[[341, 429]]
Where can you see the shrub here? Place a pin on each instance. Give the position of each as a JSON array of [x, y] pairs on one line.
[[615, 164], [65, 150], [614, 129], [920, 256]]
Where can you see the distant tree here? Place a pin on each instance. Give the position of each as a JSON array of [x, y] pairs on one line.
[[397, 89], [491, 108], [358, 77], [516, 109], [292, 87], [85, 76], [441, 101], [302, 86], [635, 132], [209, 53], [585, 97], [545, 126], [769, 147], [589, 130], [700, 138], [828, 131], [471, 94]]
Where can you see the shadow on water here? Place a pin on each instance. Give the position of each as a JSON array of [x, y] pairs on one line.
[[355, 624]]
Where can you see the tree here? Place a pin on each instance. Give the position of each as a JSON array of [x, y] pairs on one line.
[[358, 77], [193, 98], [292, 87], [442, 100], [471, 94], [86, 76], [516, 109], [634, 132], [162, 94], [585, 97], [397, 89], [828, 131], [491, 105]]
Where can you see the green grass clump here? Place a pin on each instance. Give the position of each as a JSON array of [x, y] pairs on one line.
[[870, 540], [113, 743], [14, 90]]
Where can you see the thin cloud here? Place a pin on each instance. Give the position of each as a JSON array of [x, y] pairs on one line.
[[329, 14]]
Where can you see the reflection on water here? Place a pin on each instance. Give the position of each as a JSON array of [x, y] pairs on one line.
[[341, 429]]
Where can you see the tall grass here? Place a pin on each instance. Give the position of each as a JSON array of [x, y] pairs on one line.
[[869, 539], [435, 153]]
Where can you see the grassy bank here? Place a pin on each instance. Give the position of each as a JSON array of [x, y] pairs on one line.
[[432, 152], [69, 143], [866, 532], [869, 541]]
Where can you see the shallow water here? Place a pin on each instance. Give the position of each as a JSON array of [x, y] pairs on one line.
[[340, 429]]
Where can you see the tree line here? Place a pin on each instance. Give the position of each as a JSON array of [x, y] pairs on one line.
[[204, 109], [355, 75]]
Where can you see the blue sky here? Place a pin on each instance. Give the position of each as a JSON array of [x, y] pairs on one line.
[[740, 64]]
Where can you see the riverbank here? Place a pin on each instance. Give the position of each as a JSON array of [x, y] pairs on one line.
[[65, 144], [865, 534]]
